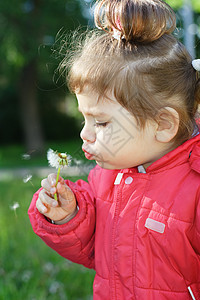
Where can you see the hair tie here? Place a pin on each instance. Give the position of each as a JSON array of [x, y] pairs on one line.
[[196, 64], [116, 34]]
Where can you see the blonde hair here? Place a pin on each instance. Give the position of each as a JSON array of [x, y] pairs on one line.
[[148, 69]]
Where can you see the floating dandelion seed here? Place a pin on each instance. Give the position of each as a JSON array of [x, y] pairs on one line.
[[78, 162], [59, 161], [26, 156], [27, 178], [14, 207]]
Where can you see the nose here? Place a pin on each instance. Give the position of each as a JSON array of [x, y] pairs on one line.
[[88, 134]]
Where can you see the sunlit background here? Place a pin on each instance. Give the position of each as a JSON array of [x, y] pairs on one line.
[[37, 112]]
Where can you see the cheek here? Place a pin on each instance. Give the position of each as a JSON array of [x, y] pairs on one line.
[[107, 138], [109, 147]]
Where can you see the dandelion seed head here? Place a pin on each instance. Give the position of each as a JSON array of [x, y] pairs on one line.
[[58, 160]]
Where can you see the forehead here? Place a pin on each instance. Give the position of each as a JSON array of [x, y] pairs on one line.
[[91, 103]]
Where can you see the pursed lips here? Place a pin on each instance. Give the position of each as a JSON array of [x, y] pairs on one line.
[[92, 156], [88, 155]]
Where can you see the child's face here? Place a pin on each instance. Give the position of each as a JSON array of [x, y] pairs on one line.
[[111, 135]]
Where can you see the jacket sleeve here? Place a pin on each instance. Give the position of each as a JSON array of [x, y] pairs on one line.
[[75, 239]]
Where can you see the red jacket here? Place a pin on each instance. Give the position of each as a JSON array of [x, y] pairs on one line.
[[141, 235]]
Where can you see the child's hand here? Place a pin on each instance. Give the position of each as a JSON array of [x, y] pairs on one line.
[[59, 211]]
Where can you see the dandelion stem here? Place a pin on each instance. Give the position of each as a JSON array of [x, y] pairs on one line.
[[58, 173]]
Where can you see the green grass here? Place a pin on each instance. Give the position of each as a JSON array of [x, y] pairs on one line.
[[28, 268]]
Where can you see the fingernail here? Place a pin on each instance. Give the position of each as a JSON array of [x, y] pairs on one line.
[[44, 210]]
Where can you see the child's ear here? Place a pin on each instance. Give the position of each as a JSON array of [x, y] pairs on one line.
[[167, 124]]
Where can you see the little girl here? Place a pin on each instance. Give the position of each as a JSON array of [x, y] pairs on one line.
[[137, 220]]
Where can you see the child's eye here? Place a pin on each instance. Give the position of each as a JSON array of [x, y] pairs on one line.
[[101, 124]]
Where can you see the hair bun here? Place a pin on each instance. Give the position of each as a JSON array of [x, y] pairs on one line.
[[138, 21]]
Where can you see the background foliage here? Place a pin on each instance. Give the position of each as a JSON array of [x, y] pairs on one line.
[[35, 103], [32, 99]]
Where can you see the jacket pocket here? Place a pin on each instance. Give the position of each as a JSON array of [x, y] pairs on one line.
[[194, 290]]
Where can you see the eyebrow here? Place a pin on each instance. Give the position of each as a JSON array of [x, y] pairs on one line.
[[94, 114]]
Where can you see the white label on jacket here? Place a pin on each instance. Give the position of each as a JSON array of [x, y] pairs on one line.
[[191, 293], [155, 225], [141, 169], [118, 178]]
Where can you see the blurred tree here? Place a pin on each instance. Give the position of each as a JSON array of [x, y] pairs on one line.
[[28, 31], [188, 20], [26, 27], [188, 12]]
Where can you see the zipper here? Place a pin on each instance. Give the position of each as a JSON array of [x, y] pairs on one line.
[[115, 220]]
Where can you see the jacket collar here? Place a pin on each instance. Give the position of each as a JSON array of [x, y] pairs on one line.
[[187, 152]]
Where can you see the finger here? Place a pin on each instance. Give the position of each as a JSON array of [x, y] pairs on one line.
[[46, 185], [41, 207], [47, 200], [48, 188], [52, 179]]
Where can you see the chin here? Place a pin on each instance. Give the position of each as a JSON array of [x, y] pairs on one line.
[[108, 166], [104, 165]]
